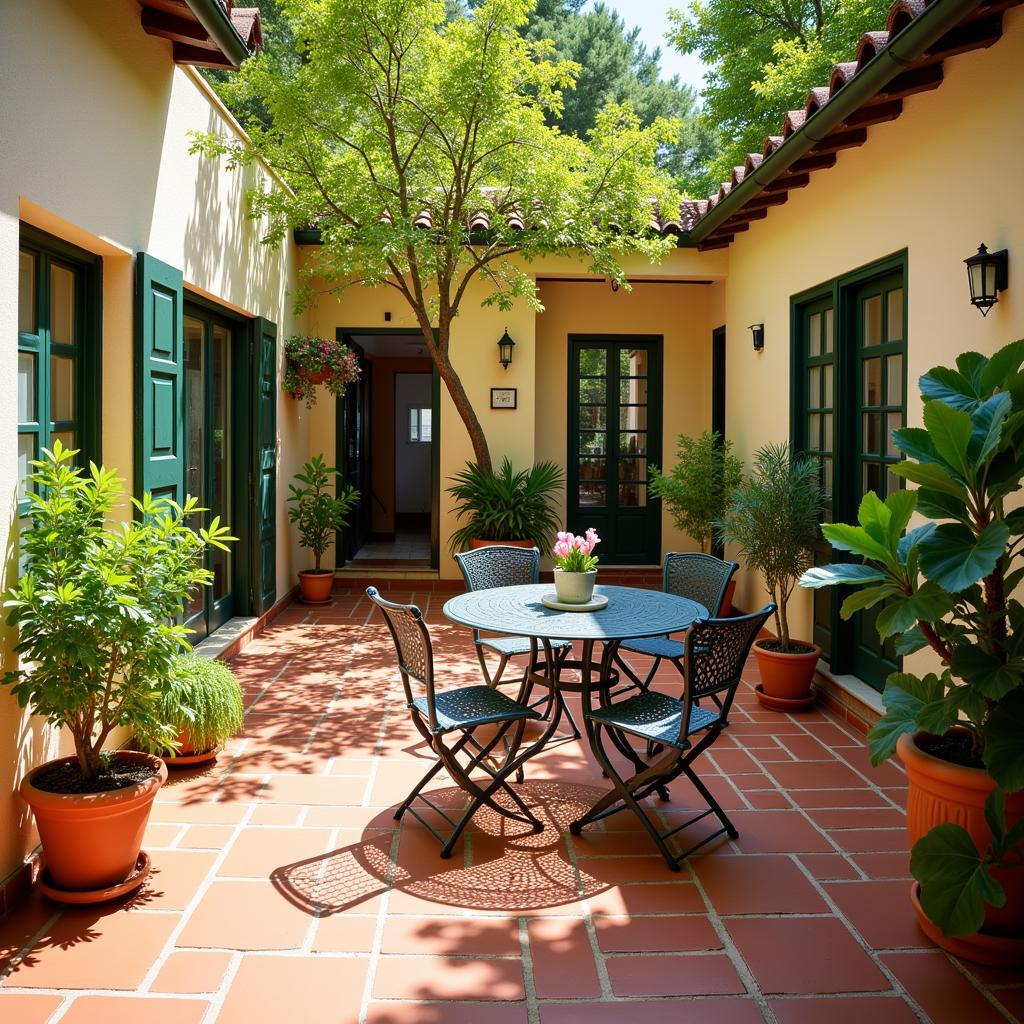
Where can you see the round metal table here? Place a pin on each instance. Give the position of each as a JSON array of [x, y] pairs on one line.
[[518, 611]]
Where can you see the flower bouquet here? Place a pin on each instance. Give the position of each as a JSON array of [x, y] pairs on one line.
[[310, 361], [575, 566]]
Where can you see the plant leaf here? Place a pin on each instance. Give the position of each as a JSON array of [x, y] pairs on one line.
[[911, 641], [856, 539], [866, 598], [950, 430], [943, 384], [1004, 751], [840, 572], [987, 426], [954, 559], [905, 695], [1005, 362], [932, 475], [992, 677]]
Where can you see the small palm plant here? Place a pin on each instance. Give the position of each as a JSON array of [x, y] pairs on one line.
[[318, 513]]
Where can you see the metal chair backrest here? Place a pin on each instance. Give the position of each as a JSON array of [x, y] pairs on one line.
[[701, 578], [412, 645], [499, 565], [716, 651]]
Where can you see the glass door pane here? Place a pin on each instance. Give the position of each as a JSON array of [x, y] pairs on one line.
[[219, 442], [195, 463]]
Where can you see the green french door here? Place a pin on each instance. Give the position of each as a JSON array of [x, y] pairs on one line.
[[850, 395], [209, 343], [614, 435]]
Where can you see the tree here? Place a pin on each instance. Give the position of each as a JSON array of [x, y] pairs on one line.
[[764, 59], [397, 129]]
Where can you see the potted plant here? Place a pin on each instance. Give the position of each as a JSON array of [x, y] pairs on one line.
[[947, 585], [96, 609], [697, 490], [506, 507], [575, 566], [204, 706], [310, 361], [319, 515], [773, 517]]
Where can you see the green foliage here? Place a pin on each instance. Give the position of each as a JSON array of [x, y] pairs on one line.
[[306, 356], [97, 603], [697, 490], [394, 112], [763, 61], [205, 703], [773, 516], [319, 513], [948, 584], [506, 505]]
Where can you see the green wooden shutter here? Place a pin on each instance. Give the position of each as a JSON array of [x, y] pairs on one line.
[[159, 379], [264, 516]]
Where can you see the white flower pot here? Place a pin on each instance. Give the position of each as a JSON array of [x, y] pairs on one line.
[[574, 587]]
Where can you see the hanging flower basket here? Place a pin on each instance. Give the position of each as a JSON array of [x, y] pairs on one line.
[[312, 361]]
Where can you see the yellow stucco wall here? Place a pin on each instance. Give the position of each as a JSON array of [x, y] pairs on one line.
[[94, 120], [937, 181]]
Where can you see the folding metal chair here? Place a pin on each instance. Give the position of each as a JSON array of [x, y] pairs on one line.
[[701, 578], [716, 650], [438, 716]]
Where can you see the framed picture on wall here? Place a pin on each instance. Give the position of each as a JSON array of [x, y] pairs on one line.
[[504, 398]]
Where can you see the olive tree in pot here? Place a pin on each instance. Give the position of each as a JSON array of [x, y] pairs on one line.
[[774, 518], [697, 490], [319, 515], [506, 507], [96, 609], [947, 585]]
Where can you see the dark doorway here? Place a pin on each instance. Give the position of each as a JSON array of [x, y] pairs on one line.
[[718, 403]]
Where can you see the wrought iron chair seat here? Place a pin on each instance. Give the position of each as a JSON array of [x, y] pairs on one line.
[[656, 647], [472, 706], [511, 646], [656, 718]]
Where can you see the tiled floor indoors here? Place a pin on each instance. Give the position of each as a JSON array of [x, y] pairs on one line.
[[282, 889]]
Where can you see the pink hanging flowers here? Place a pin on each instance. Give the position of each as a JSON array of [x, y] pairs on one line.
[[575, 553], [310, 361]]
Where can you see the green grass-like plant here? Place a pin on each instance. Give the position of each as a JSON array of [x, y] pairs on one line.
[[205, 702]]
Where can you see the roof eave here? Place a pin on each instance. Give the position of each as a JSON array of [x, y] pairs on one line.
[[220, 29]]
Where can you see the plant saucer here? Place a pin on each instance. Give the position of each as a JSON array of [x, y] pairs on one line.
[[86, 896], [192, 760], [784, 703]]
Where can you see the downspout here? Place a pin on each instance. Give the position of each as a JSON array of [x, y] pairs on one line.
[[220, 29], [902, 51]]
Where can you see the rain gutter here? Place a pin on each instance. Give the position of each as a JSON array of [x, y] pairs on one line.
[[220, 28]]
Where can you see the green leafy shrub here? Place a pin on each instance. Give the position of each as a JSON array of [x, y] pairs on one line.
[[506, 505], [97, 603], [205, 703], [697, 490], [947, 585], [319, 513], [774, 517]]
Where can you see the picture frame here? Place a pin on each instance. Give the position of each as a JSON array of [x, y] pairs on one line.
[[504, 398]]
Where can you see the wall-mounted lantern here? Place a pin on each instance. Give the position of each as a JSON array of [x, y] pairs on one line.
[[987, 274], [757, 332], [505, 346]]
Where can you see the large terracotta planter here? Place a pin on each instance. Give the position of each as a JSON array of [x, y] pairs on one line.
[[477, 542], [316, 585], [92, 840], [787, 677], [940, 792]]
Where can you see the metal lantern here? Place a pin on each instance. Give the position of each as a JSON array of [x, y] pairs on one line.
[[757, 331], [505, 346], [987, 276]]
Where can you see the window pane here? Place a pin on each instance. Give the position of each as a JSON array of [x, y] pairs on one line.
[[414, 425], [26, 452], [62, 389], [872, 312], [894, 380], [62, 305], [593, 494], [593, 417], [26, 387], [814, 387], [26, 293], [592, 469], [195, 398], [633, 362], [872, 476], [425, 426], [814, 334], [826, 397], [826, 347], [872, 382], [892, 482], [872, 440], [633, 444], [593, 362], [894, 326], [826, 475], [66, 438], [633, 495], [893, 421], [592, 391], [814, 432], [633, 391], [826, 431], [632, 469], [592, 443], [633, 417]]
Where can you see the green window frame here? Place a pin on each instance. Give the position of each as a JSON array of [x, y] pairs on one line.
[[59, 350]]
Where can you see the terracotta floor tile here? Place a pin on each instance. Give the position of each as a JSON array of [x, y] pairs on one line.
[[876, 1009], [816, 775], [871, 840], [880, 911], [940, 989], [1012, 999], [768, 800], [652, 898], [660, 1011], [665, 934], [806, 748], [757, 885], [314, 789], [858, 818], [200, 813], [828, 866], [804, 955], [276, 814], [451, 936], [245, 915], [814, 798], [616, 870], [192, 972], [23, 1008], [257, 852], [307, 989], [673, 976], [159, 835], [447, 978], [446, 1013], [121, 1010], [206, 837], [175, 878], [778, 832], [105, 948], [345, 933], [563, 960], [884, 865]]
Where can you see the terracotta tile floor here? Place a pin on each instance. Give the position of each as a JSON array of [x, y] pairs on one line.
[[283, 890]]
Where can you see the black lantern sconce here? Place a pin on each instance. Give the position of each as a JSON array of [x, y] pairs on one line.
[[987, 274], [505, 346], [757, 330]]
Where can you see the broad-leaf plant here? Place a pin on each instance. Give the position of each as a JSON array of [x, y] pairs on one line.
[[947, 584], [98, 603], [318, 512]]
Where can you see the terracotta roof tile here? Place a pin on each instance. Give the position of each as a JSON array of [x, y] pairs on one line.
[[247, 23]]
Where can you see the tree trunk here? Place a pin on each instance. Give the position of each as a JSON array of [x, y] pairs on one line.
[[481, 452], [783, 626]]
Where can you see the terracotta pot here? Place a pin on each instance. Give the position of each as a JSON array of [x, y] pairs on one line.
[[92, 840], [316, 378], [476, 542], [316, 586], [787, 676], [575, 587], [940, 792], [725, 608]]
